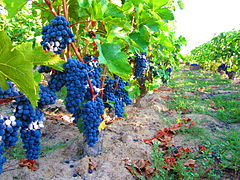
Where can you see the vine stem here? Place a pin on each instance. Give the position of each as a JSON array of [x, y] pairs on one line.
[[76, 52], [41, 6], [48, 2], [116, 85], [87, 42], [80, 22], [59, 10], [103, 80], [65, 9]]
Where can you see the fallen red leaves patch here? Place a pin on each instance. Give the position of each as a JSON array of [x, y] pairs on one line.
[[140, 168], [190, 163], [171, 154], [29, 163], [201, 148]]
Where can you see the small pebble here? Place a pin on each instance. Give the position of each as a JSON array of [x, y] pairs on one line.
[[71, 166], [67, 162]]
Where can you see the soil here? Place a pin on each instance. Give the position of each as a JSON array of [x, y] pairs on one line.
[[122, 140]]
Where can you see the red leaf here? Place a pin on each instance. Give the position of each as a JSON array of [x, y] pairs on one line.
[[190, 163], [28, 163], [176, 126], [185, 149], [202, 148]]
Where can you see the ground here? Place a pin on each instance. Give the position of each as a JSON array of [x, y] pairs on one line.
[[206, 98]]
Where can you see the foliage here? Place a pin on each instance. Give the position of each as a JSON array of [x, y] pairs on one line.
[[223, 48], [114, 32]]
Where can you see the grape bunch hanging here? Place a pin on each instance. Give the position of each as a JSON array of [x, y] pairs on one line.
[[84, 89], [26, 118], [57, 35]]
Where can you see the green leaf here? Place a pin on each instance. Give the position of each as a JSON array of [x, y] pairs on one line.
[[156, 4], [13, 6], [15, 66], [3, 84], [180, 4], [165, 13], [39, 57], [153, 26], [37, 77], [116, 60], [141, 38], [79, 9], [114, 11]]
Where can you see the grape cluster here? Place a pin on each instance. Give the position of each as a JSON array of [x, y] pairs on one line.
[[76, 82], [44, 69], [11, 92], [222, 67], [32, 120], [114, 91], [168, 72], [11, 126], [2, 131], [109, 91], [91, 113], [47, 96], [194, 65], [57, 81], [57, 35], [141, 65], [94, 74], [2, 159], [31, 140]]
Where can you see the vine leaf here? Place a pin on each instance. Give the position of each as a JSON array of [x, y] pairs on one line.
[[117, 61], [39, 57], [3, 84], [17, 67], [166, 14], [13, 6], [140, 38]]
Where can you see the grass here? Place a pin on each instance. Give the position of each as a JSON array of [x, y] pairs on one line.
[[222, 144], [17, 151], [225, 107]]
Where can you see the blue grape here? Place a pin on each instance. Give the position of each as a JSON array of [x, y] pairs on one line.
[[57, 81], [2, 131], [57, 35], [11, 126], [76, 82], [222, 67], [141, 65], [32, 120], [11, 92], [44, 69], [91, 113], [94, 74], [2, 159], [114, 91], [47, 96]]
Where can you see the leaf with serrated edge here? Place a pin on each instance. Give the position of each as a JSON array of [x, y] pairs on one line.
[[13, 6], [117, 61], [18, 68]]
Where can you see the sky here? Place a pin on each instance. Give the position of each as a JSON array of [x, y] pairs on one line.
[[200, 20]]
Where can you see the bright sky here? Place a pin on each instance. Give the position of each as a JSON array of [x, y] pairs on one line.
[[200, 20]]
